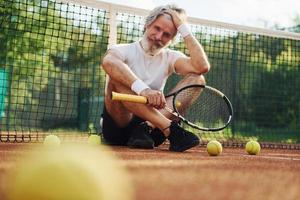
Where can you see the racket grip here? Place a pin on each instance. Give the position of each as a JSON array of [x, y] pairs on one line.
[[128, 97]]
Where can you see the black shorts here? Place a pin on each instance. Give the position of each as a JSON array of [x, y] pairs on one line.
[[114, 135]]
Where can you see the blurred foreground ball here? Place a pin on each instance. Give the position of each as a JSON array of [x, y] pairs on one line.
[[214, 148], [252, 147], [51, 141], [94, 140], [69, 172]]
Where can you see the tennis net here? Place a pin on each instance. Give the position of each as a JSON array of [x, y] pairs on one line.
[[51, 79]]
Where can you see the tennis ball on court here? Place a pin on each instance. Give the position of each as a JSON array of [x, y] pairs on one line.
[[69, 172], [94, 139], [51, 141], [252, 147], [214, 148]]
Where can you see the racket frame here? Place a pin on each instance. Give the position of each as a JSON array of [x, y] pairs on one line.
[[219, 93]]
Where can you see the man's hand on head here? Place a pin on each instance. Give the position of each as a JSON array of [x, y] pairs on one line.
[[176, 17], [155, 98]]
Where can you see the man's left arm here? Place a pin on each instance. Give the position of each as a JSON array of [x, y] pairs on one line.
[[198, 61]]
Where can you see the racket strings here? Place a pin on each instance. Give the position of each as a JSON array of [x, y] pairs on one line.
[[207, 109]]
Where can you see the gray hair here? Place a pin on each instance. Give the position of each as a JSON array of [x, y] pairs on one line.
[[158, 11]]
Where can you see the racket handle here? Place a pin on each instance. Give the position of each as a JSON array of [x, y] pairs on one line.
[[128, 97], [135, 99]]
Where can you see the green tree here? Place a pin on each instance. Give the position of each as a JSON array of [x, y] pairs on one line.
[[43, 46], [296, 28]]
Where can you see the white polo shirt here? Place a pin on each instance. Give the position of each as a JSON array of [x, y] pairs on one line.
[[153, 70]]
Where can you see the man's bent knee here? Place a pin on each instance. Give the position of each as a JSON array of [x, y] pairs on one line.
[[195, 79]]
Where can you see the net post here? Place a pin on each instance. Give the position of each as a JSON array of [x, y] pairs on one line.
[[3, 89], [234, 73], [112, 26], [83, 108]]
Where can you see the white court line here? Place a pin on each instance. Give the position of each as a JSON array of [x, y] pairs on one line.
[[268, 157]]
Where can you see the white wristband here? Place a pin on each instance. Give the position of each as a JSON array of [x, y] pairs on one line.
[[138, 86], [184, 30]]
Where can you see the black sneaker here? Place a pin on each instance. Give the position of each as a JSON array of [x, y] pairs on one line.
[[157, 136], [180, 139], [140, 138]]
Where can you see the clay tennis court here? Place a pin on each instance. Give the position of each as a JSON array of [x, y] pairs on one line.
[[161, 174], [52, 81]]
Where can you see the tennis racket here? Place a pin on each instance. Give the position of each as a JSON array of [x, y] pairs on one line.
[[200, 106]]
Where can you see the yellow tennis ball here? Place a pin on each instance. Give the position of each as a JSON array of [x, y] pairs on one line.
[[69, 172], [51, 141], [252, 147], [178, 103], [94, 139], [214, 148]]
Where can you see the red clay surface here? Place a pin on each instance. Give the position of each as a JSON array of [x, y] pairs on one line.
[[160, 174]]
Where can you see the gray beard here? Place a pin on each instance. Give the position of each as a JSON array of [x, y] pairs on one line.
[[150, 50]]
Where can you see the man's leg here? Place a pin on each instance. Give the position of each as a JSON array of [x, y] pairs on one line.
[[180, 140], [117, 120], [121, 115], [157, 135], [126, 109], [112, 133]]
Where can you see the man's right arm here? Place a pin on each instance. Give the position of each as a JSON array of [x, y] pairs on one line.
[[118, 70]]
